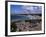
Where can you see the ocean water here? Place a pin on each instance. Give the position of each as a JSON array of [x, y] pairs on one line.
[[14, 17], [24, 17]]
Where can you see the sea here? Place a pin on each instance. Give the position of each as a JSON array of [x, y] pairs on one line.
[[14, 17]]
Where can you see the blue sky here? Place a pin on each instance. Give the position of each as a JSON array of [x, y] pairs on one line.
[[20, 9], [16, 8]]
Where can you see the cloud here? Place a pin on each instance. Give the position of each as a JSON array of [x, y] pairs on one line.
[[28, 7], [32, 9]]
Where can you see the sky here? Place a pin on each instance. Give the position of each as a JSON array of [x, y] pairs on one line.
[[25, 9]]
